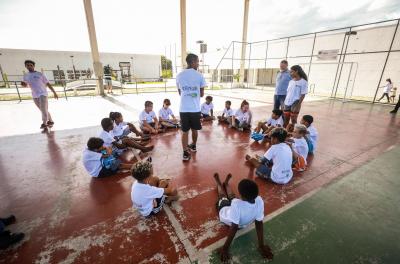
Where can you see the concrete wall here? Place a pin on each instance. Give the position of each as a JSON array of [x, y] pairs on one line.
[[12, 62]]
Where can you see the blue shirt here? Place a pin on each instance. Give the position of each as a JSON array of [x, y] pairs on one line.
[[189, 82], [282, 82]]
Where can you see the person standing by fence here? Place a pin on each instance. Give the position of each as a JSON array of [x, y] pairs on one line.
[[282, 82], [38, 84]]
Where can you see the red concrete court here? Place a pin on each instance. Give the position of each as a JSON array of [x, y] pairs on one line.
[[71, 218]]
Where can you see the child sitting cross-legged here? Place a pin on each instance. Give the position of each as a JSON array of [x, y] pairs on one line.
[[207, 109], [275, 120], [312, 133], [164, 115], [276, 164], [242, 117], [99, 161], [227, 114], [118, 145], [299, 147], [148, 120], [149, 193], [240, 212]]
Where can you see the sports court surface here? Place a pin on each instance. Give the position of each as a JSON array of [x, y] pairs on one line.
[[343, 209]]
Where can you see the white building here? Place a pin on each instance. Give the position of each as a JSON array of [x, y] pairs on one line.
[[146, 67]]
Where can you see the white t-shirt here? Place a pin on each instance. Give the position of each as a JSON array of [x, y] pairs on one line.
[[205, 108], [189, 82], [37, 82], [107, 137], [148, 117], [295, 90], [242, 212], [92, 162], [313, 136], [142, 196], [388, 87], [300, 147], [118, 130], [165, 113], [281, 157], [241, 116], [275, 122], [228, 112]]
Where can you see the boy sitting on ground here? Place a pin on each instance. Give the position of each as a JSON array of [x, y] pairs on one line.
[[207, 109], [227, 114], [239, 213], [148, 120], [312, 133], [276, 164], [149, 193], [275, 120]]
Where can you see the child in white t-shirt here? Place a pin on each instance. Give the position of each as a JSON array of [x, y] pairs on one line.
[[164, 116], [207, 109], [118, 145], [240, 212], [242, 117], [275, 120], [276, 164], [149, 193], [148, 120], [227, 114], [99, 161], [123, 129], [312, 133], [299, 147]]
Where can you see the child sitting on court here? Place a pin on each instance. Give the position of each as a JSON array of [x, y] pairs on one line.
[[207, 109], [118, 145], [276, 164], [227, 114], [149, 193], [312, 133], [164, 115], [275, 120], [148, 120], [240, 212], [299, 147], [123, 129], [99, 161], [242, 117]]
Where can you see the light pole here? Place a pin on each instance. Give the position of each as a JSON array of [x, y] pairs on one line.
[[203, 49], [73, 66], [132, 68]]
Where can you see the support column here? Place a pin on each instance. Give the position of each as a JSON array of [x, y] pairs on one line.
[[244, 42], [97, 65], [183, 33]]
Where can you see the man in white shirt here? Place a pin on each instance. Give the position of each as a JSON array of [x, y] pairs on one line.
[[190, 84], [38, 84]]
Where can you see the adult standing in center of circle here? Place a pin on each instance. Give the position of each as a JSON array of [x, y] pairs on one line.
[[190, 84], [282, 82]]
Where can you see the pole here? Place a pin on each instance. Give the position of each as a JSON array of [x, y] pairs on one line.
[[97, 66], [340, 58], [244, 40], [176, 67], [387, 57], [183, 33]]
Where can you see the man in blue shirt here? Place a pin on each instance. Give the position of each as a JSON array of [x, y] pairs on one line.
[[282, 82]]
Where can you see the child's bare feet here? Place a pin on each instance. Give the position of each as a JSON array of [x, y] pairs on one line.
[[217, 179]]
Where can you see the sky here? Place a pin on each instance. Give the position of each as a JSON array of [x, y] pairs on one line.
[[153, 26]]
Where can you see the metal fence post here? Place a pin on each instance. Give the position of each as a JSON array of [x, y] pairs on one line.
[[136, 86], [387, 57], [19, 96], [165, 86], [64, 84]]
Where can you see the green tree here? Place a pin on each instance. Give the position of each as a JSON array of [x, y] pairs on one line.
[[166, 67]]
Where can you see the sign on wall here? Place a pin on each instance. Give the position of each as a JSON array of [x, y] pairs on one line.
[[328, 54]]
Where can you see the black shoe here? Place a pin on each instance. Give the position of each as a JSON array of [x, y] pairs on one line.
[[192, 147], [8, 220], [50, 123], [9, 239], [393, 112], [43, 126], [186, 156]]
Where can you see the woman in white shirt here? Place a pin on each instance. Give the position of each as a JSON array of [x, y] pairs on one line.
[[297, 90], [386, 90]]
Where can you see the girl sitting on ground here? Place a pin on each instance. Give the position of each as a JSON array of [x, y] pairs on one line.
[[241, 120], [164, 116], [123, 129], [299, 147]]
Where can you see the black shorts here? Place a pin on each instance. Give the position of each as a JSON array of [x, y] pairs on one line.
[[106, 172], [190, 121], [222, 203]]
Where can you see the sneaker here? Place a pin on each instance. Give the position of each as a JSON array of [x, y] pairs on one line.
[[186, 156], [43, 126], [192, 147], [50, 123], [7, 240], [393, 112], [8, 220]]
